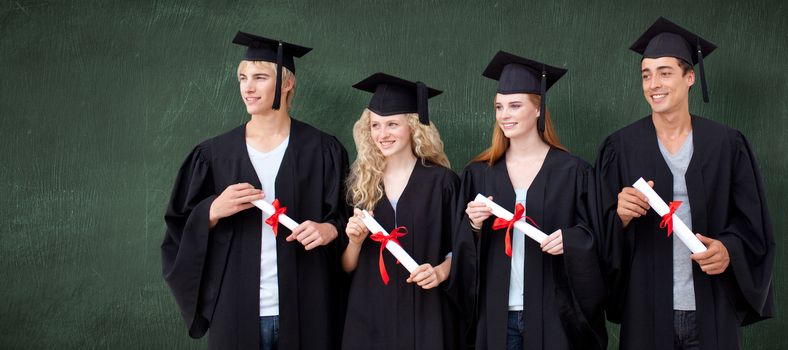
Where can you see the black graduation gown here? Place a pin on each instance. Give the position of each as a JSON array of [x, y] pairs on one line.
[[402, 315], [727, 199], [564, 294], [215, 274]]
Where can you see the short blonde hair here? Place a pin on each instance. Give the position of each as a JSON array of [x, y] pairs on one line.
[[365, 182], [286, 75]]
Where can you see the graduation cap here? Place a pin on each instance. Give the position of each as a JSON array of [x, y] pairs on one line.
[[392, 95], [518, 75], [271, 50], [666, 39]]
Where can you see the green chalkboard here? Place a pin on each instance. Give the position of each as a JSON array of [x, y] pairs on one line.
[[102, 100]]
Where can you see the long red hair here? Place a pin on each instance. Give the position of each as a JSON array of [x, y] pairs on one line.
[[500, 143]]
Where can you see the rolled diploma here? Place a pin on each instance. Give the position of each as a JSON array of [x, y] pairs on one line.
[[269, 209], [522, 226], [395, 249], [679, 227]]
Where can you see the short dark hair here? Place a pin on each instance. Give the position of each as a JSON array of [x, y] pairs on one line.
[[685, 67]]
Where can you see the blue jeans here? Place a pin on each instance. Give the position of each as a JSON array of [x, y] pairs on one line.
[[685, 330], [514, 331], [269, 332]]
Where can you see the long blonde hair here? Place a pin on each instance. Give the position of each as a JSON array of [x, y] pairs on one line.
[[365, 183], [286, 75], [500, 143]]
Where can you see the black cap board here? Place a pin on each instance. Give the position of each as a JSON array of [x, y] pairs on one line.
[[393, 95], [519, 75], [271, 50], [667, 39]]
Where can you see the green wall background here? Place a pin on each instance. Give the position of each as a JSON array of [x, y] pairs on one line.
[[102, 100]]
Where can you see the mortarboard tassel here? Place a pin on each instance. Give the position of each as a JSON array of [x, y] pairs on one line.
[[278, 89], [702, 75], [421, 103], [540, 122]]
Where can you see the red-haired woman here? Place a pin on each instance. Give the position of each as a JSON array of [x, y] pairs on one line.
[[529, 295]]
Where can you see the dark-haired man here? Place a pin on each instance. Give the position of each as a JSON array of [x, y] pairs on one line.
[[663, 295]]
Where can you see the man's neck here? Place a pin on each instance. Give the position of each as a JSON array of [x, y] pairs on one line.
[[275, 122], [672, 126], [267, 131]]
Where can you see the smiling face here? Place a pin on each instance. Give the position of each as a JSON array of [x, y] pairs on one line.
[[665, 85], [391, 134], [516, 114], [257, 82]]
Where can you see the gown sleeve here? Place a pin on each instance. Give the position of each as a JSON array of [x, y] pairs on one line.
[[612, 237], [748, 235], [449, 210], [335, 170], [463, 284], [583, 270], [190, 249]]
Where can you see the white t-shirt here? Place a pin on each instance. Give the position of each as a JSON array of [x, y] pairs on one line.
[[517, 273], [266, 165]]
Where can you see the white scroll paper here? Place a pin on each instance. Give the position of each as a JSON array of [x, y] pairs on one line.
[[395, 249], [679, 227], [270, 210], [522, 226]]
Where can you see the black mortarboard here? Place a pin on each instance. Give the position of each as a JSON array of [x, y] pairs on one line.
[[392, 95], [518, 75], [666, 39], [270, 50]]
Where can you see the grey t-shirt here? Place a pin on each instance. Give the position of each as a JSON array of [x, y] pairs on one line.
[[683, 285]]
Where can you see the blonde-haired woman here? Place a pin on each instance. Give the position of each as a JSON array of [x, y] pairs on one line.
[[530, 295], [401, 174]]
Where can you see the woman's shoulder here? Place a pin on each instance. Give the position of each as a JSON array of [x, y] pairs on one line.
[[567, 161], [476, 166], [439, 171]]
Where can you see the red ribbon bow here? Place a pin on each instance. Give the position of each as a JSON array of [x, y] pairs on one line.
[[385, 239], [667, 219], [273, 220], [499, 223]]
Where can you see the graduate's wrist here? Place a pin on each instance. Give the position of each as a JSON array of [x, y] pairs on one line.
[[442, 271], [213, 219], [354, 245], [441, 275], [213, 216], [349, 261]]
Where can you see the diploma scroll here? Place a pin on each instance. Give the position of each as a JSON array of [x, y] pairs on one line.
[[679, 227], [270, 210], [522, 226], [395, 249]]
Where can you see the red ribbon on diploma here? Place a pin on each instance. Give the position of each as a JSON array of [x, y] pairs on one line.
[[519, 212], [384, 239], [667, 219], [273, 220]]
